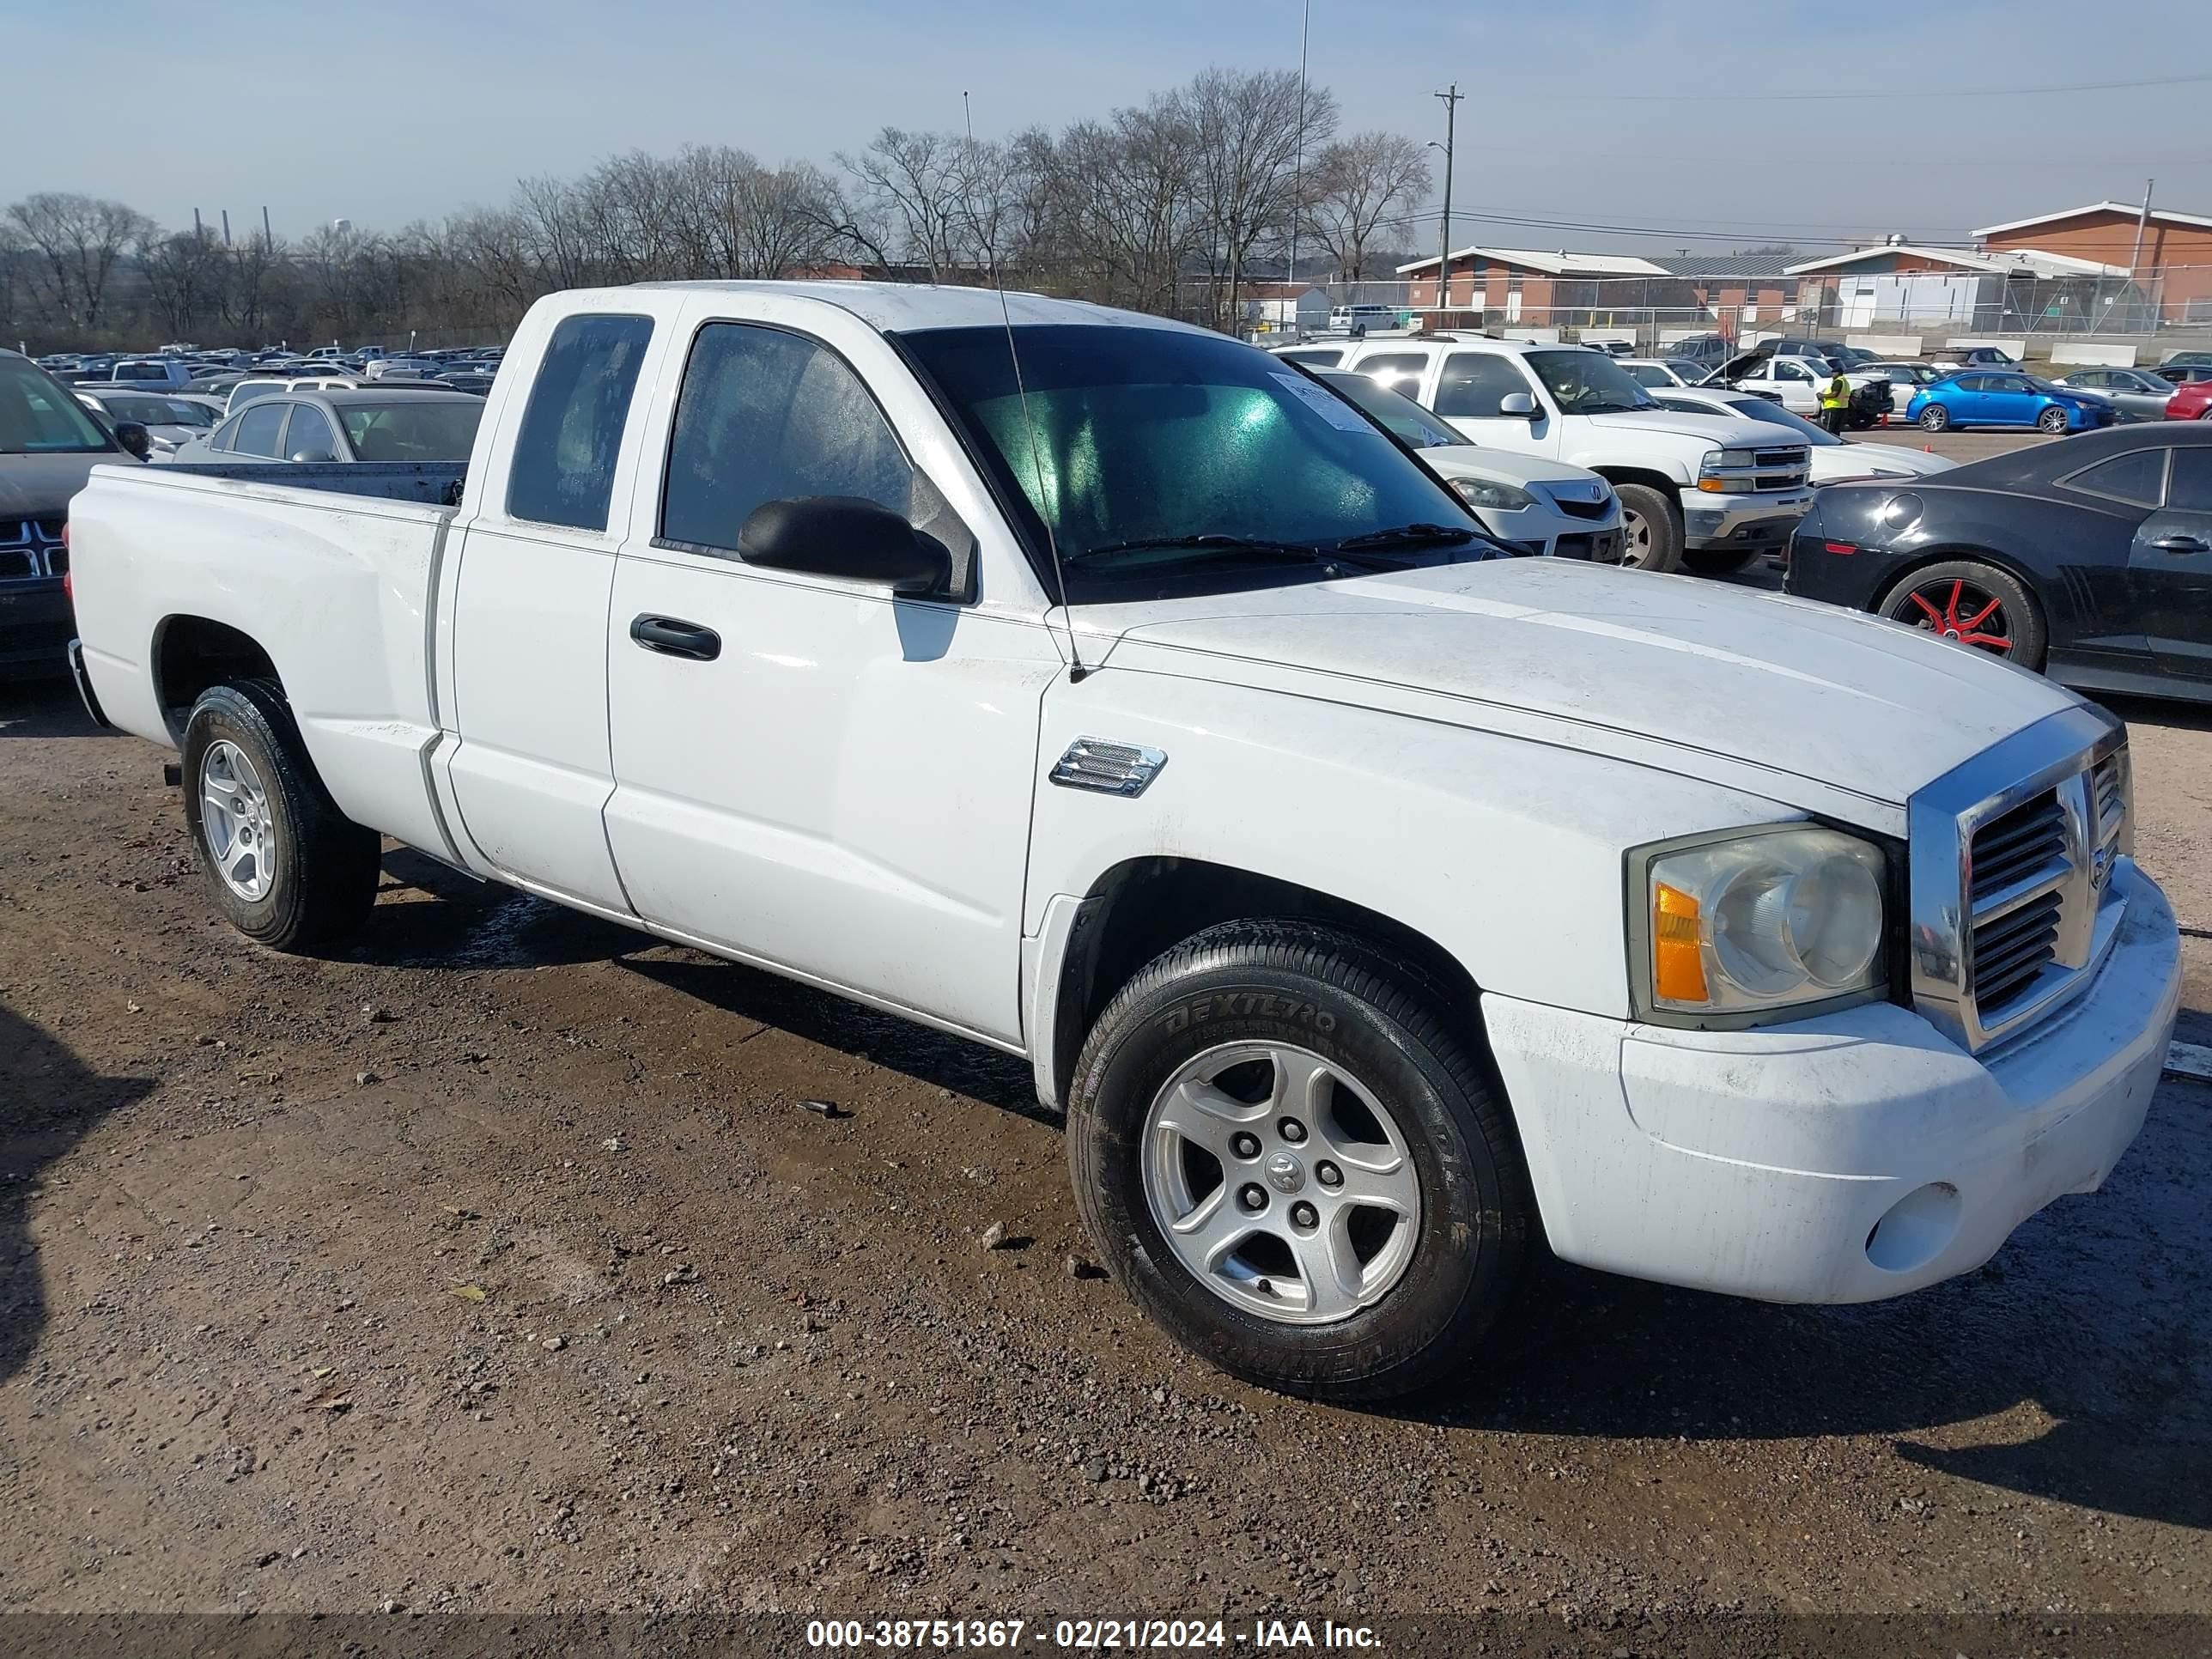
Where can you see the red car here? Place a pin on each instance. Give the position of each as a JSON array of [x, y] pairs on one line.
[[2192, 403]]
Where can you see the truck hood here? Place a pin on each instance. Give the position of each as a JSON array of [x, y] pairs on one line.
[[40, 486], [1803, 699], [1728, 431]]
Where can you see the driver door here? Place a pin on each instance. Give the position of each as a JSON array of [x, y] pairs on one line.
[[1472, 385], [1801, 394], [2170, 567]]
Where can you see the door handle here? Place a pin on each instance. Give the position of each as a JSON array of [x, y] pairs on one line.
[[675, 638], [2181, 545]]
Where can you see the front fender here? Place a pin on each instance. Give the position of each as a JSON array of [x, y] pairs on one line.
[[1608, 463], [1507, 852]]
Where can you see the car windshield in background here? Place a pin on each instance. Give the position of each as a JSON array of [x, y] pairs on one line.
[[37, 417], [1147, 449], [1589, 382], [411, 431], [157, 411], [1773, 414], [1413, 424], [2041, 385]]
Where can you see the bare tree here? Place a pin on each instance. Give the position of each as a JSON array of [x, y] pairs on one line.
[[77, 240], [1368, 185], [1248, 130], [916, 185]]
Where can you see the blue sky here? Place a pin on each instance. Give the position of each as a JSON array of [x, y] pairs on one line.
[[415, 109]]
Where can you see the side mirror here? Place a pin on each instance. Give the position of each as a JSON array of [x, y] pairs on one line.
[[844, 536], [134, 438], [1518, 403], [310, 456]]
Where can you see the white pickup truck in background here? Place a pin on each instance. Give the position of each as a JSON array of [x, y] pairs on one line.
[[1376, 907]]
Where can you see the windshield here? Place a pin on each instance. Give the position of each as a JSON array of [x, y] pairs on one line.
[[1413, 425], [411, 431], [157, 411], [1139, 441], [1588, 382], [37, 417]]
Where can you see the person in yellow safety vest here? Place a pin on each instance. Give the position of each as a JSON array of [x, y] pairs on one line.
[[1836, 403]]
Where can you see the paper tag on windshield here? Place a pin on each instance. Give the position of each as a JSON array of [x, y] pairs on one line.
[[1323, 402]]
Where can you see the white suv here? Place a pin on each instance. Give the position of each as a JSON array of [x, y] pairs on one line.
[[1705, 493]]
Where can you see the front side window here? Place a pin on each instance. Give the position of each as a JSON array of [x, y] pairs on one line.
[[1588, 382], [309, 433], [260, 428], [564, 470], [762, 416], [1472, 382], [37, 417], [1149, 453]]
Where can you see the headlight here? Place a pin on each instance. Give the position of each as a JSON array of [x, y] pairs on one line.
[[1756, 920], [1500, 497], [1720, 460]]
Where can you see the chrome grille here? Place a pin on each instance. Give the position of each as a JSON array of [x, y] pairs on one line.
[[32, 547], [2012, 861]]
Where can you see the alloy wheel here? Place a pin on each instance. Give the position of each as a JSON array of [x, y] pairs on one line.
[[1955, 609], [238, 823], [1281, 1183]]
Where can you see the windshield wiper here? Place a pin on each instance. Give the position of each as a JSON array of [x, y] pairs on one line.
[[1409, 535], [1206, 543]]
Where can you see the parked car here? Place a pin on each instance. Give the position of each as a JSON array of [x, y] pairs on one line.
[[997, 755], [152, 374], [2192, 402], [1343, 320], [48, 443], [1796, 382], [2136, 394], [476, 386], [1703, 493], [1656, 372], [345, 426], [1904, 378], [1983, 398], [1530, 504], [1834, 460], [1970, 357], [1711, 349], [2186, 359], [396, 368], [169, 421], [2183, 374], [2088, 559]]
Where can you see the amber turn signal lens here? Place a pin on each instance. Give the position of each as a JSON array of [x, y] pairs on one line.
[[1678, 963]]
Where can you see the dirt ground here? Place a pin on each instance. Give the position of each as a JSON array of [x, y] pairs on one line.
[[493, 1264]]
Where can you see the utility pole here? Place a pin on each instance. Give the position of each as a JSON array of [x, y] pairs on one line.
[[198, 235], [1451, 100], [226, 227], [1299, 169], [268, 236], [2143, 219]]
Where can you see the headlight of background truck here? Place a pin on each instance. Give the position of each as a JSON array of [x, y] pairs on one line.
[[1500, 497], [1727, 928]]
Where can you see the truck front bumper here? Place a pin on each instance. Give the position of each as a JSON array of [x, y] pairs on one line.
[[1844, 1158], [1742, 522]]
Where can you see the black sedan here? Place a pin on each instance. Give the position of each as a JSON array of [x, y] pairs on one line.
[[2090, 558]]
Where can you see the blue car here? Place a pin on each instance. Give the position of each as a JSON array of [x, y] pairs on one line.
[[2001, 397]]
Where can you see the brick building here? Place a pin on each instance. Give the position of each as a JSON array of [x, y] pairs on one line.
[[2172, 259], [1544, 289]]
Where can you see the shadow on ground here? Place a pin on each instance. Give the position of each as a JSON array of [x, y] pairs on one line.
[[45, 708], [49, 1101]]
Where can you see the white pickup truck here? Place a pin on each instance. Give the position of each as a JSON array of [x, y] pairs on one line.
[[1377, 907], [1699, 492]]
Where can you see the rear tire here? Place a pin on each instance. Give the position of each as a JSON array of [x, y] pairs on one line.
[[283, 865], [1650, 528], [1217, 1040], [1939, 597], [1934, 418]]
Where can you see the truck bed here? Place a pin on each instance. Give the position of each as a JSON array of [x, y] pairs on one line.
[[332, 568]]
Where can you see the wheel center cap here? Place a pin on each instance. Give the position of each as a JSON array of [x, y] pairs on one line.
[[1284, 1173], [1950, 633]]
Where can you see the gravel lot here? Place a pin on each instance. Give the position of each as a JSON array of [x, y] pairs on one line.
[[493, 1265]]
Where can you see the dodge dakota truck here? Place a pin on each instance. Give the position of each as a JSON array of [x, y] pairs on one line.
[[1379, 908]]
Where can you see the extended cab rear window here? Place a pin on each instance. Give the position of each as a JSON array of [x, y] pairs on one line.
[[564, 470]]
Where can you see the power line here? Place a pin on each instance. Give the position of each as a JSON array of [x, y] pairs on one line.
[[1706, 96]]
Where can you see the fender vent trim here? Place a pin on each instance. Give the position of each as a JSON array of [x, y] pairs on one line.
[[1110, 769]]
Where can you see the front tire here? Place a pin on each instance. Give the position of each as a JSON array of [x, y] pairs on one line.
[[283, 865], [1650, 528], [1294, 1166], [2052, 421], [1934, 418]]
